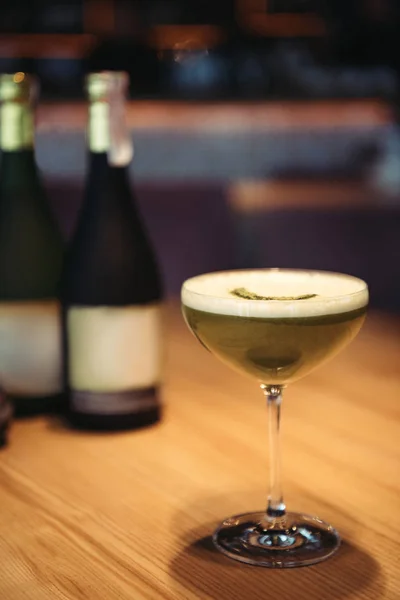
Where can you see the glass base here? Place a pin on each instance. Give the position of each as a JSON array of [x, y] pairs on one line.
[[292, 540]]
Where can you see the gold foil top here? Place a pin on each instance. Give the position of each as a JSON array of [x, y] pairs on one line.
[[18, 87], [18, 94], [104, 84], [99, 127], [107, 131]]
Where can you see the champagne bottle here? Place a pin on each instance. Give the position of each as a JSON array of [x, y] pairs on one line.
[[5, 419], [31, 251], [111, 284]]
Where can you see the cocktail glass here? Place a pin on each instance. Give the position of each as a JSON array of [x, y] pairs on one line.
[[276, 326]]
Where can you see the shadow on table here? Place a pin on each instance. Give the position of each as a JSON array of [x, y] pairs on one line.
[[205, 572]]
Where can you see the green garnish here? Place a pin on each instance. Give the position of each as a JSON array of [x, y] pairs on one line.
[[243, 293]]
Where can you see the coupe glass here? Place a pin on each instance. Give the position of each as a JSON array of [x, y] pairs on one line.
[[276, 326]]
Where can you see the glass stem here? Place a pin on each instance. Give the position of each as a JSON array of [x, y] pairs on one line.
[[276, 506]]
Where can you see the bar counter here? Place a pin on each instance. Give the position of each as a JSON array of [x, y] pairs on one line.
[[221, 142], [129, 515]]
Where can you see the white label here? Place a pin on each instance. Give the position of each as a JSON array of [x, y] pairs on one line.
[[30, 348], [114, 348]]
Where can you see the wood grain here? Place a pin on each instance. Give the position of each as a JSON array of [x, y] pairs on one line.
[[128, 516]]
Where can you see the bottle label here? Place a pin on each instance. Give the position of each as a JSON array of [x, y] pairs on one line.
[[115, 403], [17, 127], [30, 348], [114, 349]]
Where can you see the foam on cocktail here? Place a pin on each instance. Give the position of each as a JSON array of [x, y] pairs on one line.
[[335, 293]]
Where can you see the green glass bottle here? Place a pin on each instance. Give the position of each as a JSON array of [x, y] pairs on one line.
[[111, 285], [31, 252]]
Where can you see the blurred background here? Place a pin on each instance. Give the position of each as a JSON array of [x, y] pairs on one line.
[[266, 131]]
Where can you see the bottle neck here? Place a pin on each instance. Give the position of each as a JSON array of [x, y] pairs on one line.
[[110, 152], [108, 194], [19, 167], [99, 128], [17, 127], [100, 170], [107, 132]]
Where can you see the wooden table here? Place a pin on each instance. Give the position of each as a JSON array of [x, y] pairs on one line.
[[128, 516]]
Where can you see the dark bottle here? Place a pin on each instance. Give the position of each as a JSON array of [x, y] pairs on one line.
[[111, 287], [31, 251], [5, 419]]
